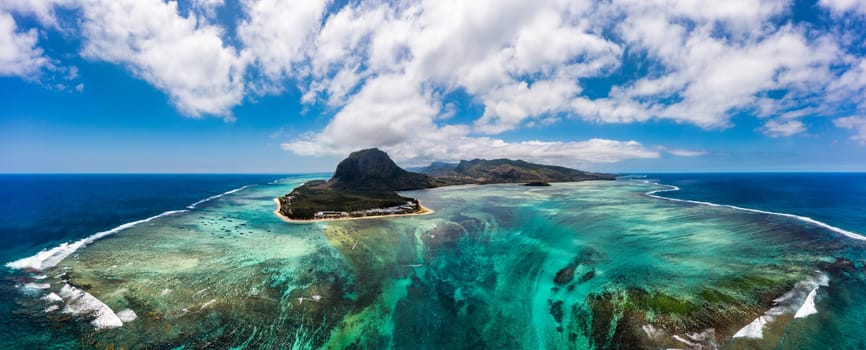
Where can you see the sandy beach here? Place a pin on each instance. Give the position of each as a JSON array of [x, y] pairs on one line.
[[424, 211]]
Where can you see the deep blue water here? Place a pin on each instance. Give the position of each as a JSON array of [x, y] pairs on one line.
[[40, 211], [838, 199]]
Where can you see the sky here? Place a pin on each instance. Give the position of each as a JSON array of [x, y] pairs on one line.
[[293, 86]]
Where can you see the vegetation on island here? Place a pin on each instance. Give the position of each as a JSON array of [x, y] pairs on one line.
[[366, 184], [483, 171]]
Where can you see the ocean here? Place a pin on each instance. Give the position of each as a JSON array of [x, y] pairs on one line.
[[837, 199], [658, 260]]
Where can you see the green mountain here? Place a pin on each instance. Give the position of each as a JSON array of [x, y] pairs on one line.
[[372, 170], [367, 181], [483, 171], [364, 181]]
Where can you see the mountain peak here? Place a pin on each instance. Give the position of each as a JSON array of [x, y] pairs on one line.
[[373, 169]]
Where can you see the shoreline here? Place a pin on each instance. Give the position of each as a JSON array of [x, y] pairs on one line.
[[424, 211]]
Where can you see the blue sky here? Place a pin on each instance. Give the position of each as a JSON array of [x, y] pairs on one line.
[[293, 86]]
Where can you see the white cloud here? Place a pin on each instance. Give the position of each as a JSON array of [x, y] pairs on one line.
[[524, 64], [709, 77], [277, 34], [857, 124], [686, 152], [451, 144], [394, 113], [207, 8], [780, 128], [389, 110], [42, 10], [384, 69], [850, 86], [842, 6], [507, 106], [183, 56], [19, 54]]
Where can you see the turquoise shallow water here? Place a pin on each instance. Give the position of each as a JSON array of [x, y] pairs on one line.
[[572, 266]]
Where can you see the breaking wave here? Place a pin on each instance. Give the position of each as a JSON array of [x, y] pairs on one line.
[[671, 188], [208, 199], [50, 257]]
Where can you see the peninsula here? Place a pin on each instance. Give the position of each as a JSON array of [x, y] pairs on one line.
[[366, 184], [483, 171]]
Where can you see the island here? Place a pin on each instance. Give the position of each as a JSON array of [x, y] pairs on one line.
[[366, 185]]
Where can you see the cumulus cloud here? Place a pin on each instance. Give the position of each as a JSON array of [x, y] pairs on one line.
[[856, 124], [183, 56], [389, 110], [277, 34], [394, 113], [42, 10], [707, 77], [19, 53], [383, 70], [842, 6], [452, 144]]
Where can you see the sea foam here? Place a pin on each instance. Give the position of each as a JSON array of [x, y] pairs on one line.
[[50, 257], [208, 199], [52, 298], [808, 307], [786, 304], [81, 302], [127, 315], [671, 188]]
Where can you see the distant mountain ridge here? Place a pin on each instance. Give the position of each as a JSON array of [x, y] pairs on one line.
[[367, 181], [483, 171]]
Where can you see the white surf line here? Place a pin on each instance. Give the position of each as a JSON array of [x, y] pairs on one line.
[[671, 188], [50, 257], [81, 302], [278, 180], [808, 307], [208, 199], [786, 304]]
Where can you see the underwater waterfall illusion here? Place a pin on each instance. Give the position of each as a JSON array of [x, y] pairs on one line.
[[573, 266]]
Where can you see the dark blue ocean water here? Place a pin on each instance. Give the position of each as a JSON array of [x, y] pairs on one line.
[[838, 199], [41, 211]]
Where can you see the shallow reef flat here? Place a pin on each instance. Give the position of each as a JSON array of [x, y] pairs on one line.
[[571, 266]]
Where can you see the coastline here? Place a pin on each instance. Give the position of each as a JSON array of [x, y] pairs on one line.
[[424, 211]]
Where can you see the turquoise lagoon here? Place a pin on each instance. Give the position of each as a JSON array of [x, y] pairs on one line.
[[573, 266]]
